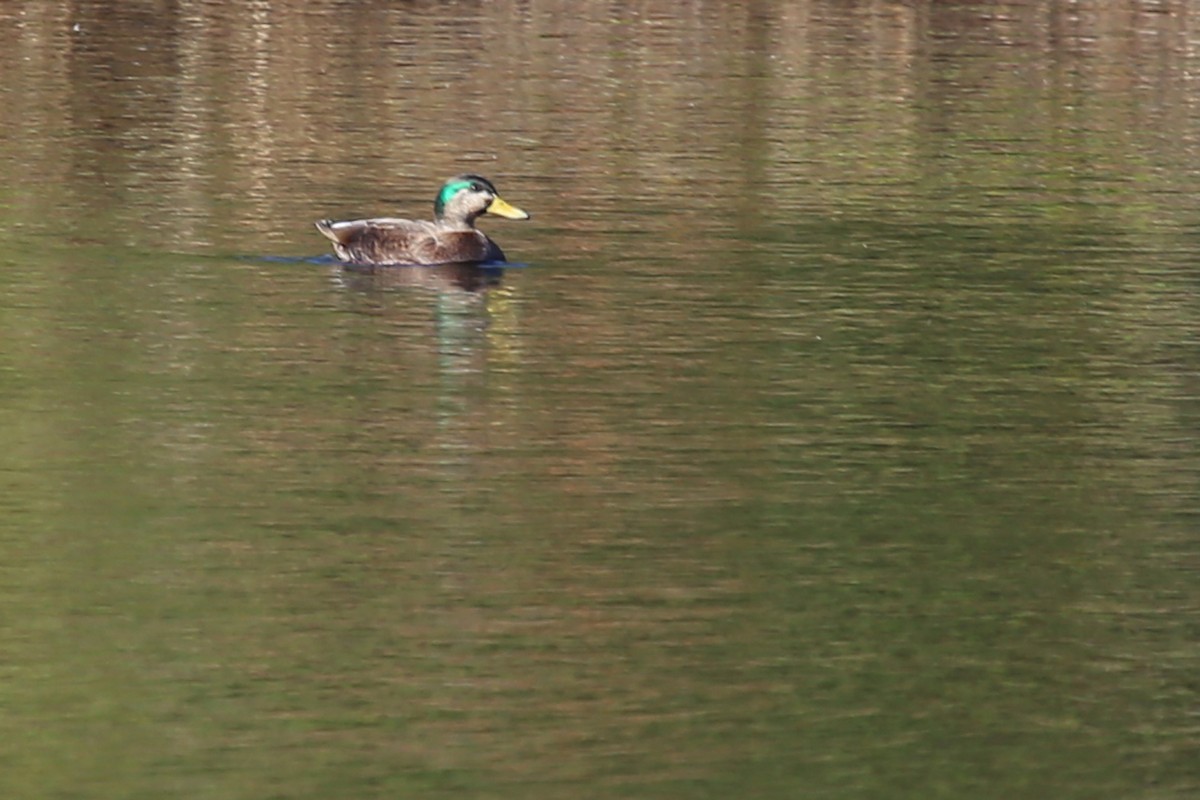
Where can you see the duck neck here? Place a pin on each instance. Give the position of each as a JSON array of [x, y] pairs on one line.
[[457, 222]]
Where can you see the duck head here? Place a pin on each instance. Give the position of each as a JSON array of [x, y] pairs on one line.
[[465, 197]]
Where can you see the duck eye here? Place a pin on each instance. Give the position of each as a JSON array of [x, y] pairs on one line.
[[475, 187]]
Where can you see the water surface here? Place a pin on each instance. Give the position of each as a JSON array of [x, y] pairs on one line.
[[836, 438]]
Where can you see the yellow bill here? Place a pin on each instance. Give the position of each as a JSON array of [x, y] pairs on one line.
[[502, 208]]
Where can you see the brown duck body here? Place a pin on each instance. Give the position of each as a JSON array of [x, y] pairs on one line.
[[450, 238], [405, 241]]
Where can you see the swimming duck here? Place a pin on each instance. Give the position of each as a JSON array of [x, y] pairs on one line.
[[450, 238]]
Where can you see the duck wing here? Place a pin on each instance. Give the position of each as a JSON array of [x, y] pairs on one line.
[[386, 240]]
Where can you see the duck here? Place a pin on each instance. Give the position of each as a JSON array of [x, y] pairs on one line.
[[450, 238]]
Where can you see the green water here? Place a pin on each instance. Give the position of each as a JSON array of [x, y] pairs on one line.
[[836, 436]]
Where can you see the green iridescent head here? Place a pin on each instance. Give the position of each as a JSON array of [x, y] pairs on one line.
[[469, 196]]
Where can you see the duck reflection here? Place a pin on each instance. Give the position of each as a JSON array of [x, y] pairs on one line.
[[455, 329], [465, 277]]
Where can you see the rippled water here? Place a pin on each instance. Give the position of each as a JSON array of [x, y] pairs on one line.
[[834, 435]]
